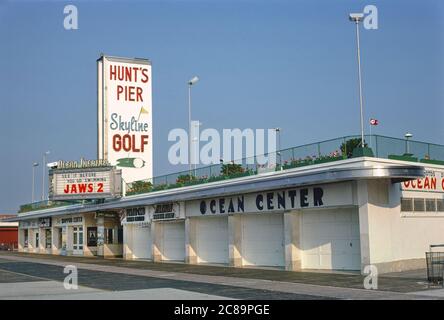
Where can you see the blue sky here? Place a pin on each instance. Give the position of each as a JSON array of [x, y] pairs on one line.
[[262, 64]]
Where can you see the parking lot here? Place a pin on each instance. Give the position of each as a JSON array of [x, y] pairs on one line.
[[30, 276]]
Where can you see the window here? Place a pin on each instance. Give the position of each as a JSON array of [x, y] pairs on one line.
[[48, 239], [91, 236], [418, 205], [440, 205], [25, 238], [109, 236], [430, 205], [78, 238], [422, 205], [406, 204], [37, 239]]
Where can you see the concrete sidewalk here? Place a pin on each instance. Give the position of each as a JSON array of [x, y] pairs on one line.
[[344, 280], [329, 291], [52, 290]]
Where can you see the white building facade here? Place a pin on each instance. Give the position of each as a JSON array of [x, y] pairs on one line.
[[342, 215]]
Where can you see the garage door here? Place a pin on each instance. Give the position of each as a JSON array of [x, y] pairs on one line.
[[263, 240], [330, 240], [212, 240], [173, 241], [141, 242]]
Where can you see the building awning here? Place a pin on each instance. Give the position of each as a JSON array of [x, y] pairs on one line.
[[345, 170]]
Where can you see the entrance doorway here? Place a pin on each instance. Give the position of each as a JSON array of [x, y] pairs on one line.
[[77, 240], [331, 239]]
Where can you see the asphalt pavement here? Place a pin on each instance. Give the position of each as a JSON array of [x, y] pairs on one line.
[[22, 275]]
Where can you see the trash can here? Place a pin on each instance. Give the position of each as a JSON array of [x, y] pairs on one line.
[[435, 265]]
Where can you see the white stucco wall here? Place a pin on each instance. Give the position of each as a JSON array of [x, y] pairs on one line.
[[395, 239]]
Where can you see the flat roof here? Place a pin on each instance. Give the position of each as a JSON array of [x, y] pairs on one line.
[[344, 170]]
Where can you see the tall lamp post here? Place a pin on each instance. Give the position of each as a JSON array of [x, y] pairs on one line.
[[35, 164], [356, 18], [44, 173], [407, 136], [191, 82], [278, 132]]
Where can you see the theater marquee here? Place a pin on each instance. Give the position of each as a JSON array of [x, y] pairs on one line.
[[85, 183]]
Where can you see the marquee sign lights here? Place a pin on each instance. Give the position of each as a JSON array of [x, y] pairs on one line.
[[83, 163], [85, 183]]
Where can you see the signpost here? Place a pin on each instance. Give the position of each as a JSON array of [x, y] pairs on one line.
[[125, 115]]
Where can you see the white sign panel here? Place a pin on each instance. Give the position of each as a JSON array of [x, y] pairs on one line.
[[323, 196], [433, 181], [68, 220], [125, 136], [70, 184], [28, 224], [136, 215]]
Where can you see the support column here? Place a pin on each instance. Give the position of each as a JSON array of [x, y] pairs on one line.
[[42, 241], [64, 244], [235, 240], [363, 205], [31, 240], [157, 235], [55, 245], [292, 238], [128, 230], [21, 240], [191, 256], [69, 240], [100, 221]]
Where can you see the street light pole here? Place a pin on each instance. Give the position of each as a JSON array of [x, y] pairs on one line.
[[407, 136], [195, 147], [189, 126], [191, 82], [278, 131], [357, 17], [43, 174], [35, 164]]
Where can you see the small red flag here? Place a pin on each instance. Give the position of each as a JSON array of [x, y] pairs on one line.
[[374, 122]]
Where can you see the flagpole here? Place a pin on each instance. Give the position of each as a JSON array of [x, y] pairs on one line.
[[371, 145]]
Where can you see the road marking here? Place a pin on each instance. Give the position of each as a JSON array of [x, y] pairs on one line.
[[46, 279], [27, 275]]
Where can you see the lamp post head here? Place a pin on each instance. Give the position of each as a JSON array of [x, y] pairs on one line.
[[193, 80], [356, 17], [408, 135], [35, 164], [52, 165]]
